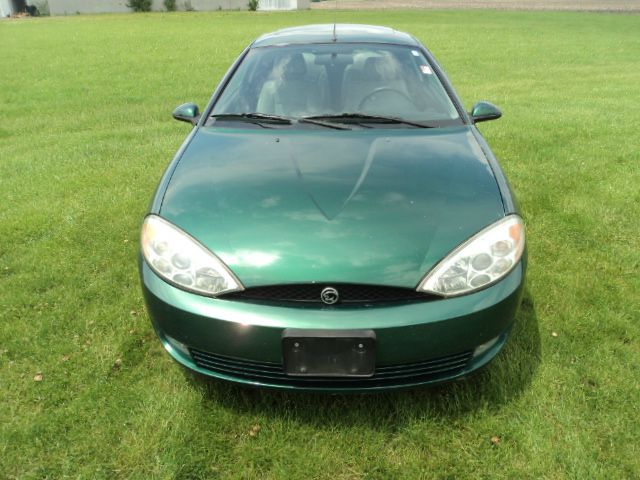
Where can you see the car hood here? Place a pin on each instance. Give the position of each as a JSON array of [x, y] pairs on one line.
[[376, 206]]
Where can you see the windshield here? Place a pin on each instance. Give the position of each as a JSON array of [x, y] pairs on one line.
[[330, 80]]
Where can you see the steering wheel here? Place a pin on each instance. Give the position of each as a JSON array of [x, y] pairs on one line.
[[387, 90]]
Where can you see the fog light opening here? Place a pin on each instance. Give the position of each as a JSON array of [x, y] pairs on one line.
[[480, 349], [177, 345]]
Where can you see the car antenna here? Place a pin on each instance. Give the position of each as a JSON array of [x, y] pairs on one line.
[[335, 19]]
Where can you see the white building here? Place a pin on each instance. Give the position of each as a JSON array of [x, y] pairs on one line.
[[72, 7], [11, 7]]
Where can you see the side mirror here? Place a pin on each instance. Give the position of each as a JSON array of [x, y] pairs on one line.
[[187, 112], [483, 111]]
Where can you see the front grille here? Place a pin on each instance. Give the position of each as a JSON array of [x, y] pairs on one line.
[[348, 293], [385, 376]]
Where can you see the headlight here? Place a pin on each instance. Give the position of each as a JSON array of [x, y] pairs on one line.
[[480, 261], [180, 259]]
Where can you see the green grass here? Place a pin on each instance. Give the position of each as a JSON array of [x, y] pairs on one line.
[[85, 134]]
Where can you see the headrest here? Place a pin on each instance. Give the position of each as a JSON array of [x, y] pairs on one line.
[[378, 68], [296, 67]]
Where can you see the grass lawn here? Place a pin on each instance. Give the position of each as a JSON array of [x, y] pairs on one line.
[[86, 132]]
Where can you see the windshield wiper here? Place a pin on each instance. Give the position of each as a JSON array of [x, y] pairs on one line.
[[258, 118], [255, 116], [316, 121], [366, 118]]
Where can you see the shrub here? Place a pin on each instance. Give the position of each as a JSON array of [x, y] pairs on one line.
[[253, 5], [43, 8], [140, 5], [170, 5]]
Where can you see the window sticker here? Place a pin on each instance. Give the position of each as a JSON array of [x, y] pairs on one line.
[[415, 53], [425, 69]]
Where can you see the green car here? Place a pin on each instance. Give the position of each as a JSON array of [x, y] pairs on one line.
[[334, 221]]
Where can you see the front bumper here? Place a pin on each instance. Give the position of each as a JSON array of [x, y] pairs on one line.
[[417, 343]]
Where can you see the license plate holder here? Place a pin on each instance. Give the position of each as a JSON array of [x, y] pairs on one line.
[[329, 353]]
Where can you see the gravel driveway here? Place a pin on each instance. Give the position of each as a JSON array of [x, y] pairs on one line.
[[628, 6]]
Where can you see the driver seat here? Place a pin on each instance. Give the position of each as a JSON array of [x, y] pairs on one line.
[[377, 72]]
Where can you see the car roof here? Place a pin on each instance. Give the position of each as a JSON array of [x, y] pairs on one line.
[[344, 33]]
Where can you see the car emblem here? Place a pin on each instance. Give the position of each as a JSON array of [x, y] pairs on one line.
[[329, 295]]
